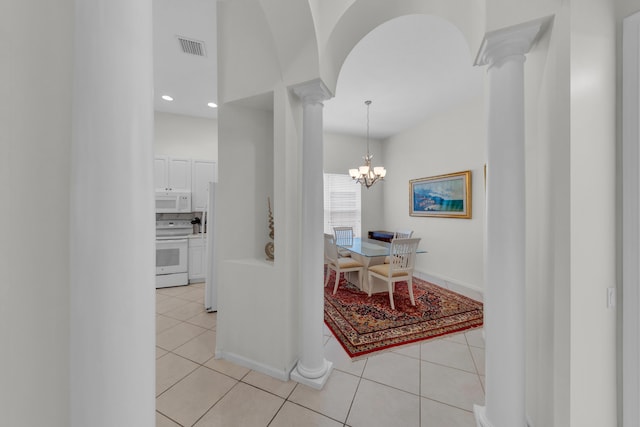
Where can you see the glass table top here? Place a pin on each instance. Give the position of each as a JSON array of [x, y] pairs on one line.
[[369, 247]]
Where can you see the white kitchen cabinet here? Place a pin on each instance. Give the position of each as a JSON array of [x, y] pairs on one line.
[[197, 250], [202, 172], [172, 173], [161, 172]]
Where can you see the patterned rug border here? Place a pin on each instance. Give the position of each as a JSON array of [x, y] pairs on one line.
[[381, 338]]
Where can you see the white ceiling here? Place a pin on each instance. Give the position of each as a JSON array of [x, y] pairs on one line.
[[189, 79], [411, 67]]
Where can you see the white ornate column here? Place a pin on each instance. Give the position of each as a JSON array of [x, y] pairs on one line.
[[312, 368], [504, 298], [112, 292]]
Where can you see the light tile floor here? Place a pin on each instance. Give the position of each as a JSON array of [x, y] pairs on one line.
[[433, 384]]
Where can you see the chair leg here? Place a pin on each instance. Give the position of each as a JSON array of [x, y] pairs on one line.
[[393, 307], [335, 288], [326, 279], [410, 285]]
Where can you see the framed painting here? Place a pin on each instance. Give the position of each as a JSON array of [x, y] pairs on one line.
[[445, 196]]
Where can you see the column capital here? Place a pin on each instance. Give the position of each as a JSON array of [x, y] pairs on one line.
[[511, 42], [312, 92]]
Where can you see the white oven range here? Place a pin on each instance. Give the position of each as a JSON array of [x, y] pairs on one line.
[[172, 252]]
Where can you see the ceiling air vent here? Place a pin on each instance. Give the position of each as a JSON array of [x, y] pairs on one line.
[[192, 47]]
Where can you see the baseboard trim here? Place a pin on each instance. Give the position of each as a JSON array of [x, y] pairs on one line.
[[282, 375], [466, 289]]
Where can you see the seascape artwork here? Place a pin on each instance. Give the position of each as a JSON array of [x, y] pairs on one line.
[[444, 195]]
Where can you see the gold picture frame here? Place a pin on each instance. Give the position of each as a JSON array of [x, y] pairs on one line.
[[443, 196]]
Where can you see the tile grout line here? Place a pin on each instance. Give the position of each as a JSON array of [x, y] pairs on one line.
[[475, 364], [286, 399], [355, 392], [420, 385], [277, 412], [169, 418], [203, 366], [198, 364], [214, 404], [182, 378]]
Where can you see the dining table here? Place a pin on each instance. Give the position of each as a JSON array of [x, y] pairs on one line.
[[368, 252]]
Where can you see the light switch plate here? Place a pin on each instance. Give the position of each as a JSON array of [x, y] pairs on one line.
[[611, 297]]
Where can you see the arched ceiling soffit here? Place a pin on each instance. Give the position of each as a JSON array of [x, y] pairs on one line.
[[293, 31], [326, 13], [412, 67], [247, 59], [365, 15]]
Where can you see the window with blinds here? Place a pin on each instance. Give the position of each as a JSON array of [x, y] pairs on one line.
[[342, 207]]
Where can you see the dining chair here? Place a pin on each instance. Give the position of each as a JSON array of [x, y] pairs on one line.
[[402, 256], [400, 234], [339, 264], [403, 234], [326, 249], [344, 236]]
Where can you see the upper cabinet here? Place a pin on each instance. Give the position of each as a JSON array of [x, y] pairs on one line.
[[172, 173], [203, 172], [180, 174]]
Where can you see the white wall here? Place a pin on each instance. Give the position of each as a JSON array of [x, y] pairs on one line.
[[570, 125], [593, 123], [344, 152], [570, 108], [245, 183], [256, 315], [185, 136], [453, 141], [35, 136]]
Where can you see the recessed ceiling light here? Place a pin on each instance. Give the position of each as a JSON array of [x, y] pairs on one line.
[[167, 98], [212, 105]]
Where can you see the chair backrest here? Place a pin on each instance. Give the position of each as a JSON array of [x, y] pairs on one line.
[[402, 254], [403, 234], [343, 235], [330, 249]]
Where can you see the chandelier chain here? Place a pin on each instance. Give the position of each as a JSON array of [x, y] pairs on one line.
[[368, 105], [368, 175]]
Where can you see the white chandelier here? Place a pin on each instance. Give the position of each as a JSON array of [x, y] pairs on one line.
[[366, 174]]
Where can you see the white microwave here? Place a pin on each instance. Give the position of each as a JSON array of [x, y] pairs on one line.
[[173, 201]]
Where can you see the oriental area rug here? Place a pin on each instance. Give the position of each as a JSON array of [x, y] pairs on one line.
[[366, 325]]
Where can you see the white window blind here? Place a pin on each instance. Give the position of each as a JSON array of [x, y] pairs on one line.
[[342, 206]]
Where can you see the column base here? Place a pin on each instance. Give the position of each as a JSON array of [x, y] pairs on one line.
[[316, 383], [480, 413]]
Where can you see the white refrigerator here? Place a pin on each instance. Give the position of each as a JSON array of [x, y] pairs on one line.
[[210, 289]]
